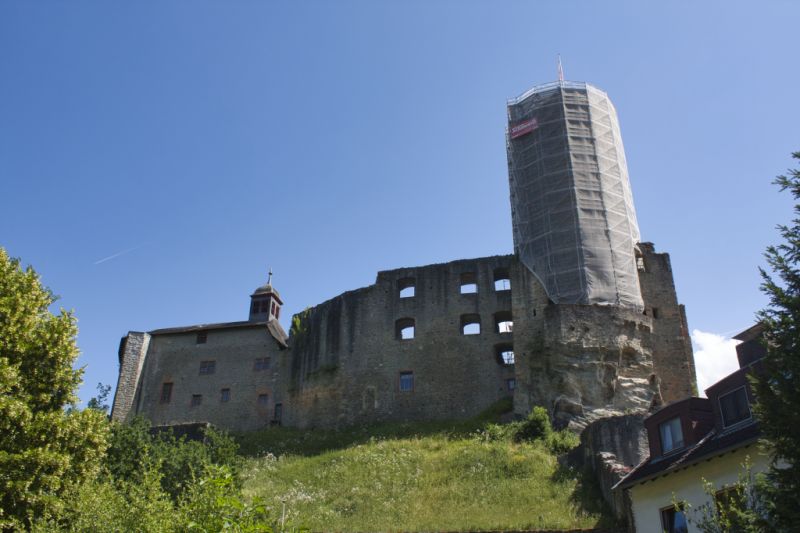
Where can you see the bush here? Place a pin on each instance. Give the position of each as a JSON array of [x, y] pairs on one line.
[[536, 426]]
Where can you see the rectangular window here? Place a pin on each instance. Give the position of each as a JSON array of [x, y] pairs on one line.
[[225, 395], [207, 367], [674, 520], [511, 384], [197, 399], [166, 392], [263, 399], [278, 413], [202, 337], [406, 381], [261, 363], [671, 435], [734, 407]]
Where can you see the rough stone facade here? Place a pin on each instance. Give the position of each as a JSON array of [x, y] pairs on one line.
[[345, 359]]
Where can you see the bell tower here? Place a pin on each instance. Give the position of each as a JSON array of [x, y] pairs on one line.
[[265, 303]]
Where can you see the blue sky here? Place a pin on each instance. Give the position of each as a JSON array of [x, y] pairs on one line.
[[204, 142]]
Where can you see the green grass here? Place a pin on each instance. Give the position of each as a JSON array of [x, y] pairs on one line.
[[421, 477]]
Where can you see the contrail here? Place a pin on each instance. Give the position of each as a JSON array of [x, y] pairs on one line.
[[123, 252]]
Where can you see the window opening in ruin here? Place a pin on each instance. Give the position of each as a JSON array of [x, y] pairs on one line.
[[406, 287], [470, 324], [263, 399], [671, 435], [654, 311], [504, 353], [404, 329], [225, 395], [166, 392], [202, 337], [277, 415], [469, 283], [197, 399], [503, 322], [406, 382], [502, 281], [261, 363], [640, 264], [511, 384], [207, 367], [734, 407]]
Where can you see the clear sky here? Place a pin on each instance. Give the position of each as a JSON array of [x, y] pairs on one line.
[[157, 157]]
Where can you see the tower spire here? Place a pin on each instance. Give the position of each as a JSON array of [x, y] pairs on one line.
[[560, 69], [269, 278]]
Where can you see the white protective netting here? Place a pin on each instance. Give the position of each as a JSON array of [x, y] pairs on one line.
[[571, 203]]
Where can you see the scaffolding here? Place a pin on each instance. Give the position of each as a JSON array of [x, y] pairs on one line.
[[571, 204]]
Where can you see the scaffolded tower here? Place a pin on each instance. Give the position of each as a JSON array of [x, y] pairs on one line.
[[571, 205]]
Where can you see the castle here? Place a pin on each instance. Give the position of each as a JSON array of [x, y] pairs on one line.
[[582, 319]]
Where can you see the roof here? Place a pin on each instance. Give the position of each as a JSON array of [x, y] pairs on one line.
[[709, 446], [273, 326]]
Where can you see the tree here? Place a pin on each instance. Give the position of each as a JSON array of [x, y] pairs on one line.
[[778, 407], [45, 449]]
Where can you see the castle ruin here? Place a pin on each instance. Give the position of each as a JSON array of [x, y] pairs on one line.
[[582, 319]]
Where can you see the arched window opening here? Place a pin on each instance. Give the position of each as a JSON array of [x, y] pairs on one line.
[[406, 287], [470, 324], [502, 280], [504, 353], [469, 283], [503, 322], [404, 329]]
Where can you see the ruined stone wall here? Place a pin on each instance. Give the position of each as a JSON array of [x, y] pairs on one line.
[[132, 351], [346, 361], [176, 358], [673, 359]]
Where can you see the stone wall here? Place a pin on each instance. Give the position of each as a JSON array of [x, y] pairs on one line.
[[132, 352], [673, 359], [347, 360], [176, 358]]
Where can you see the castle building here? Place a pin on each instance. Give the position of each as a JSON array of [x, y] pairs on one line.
[[582, 318]]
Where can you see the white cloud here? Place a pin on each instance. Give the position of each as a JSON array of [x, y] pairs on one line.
[[714, 358]]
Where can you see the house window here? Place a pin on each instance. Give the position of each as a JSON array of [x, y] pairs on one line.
[[207, 367], [406, 383], [511, 384], [469, 283], [225, 395], [503, 322], [261, 363], [674, 520], [202, 337], [406, 287], [166, 392], [671, 435], [734, 407], [263, 399], [404, 329], [197, 399], [470, 324], [502, 281]]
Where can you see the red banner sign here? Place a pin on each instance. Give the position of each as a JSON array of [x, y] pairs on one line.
[[526, 126]]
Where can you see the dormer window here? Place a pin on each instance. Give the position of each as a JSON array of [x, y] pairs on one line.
[[671, 435], [734, 407]]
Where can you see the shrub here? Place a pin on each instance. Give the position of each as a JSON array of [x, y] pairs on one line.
[[536, 426]]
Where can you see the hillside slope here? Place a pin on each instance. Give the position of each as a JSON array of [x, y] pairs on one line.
[[437, 477]]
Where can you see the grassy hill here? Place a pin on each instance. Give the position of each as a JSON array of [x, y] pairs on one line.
[[420, 477]]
